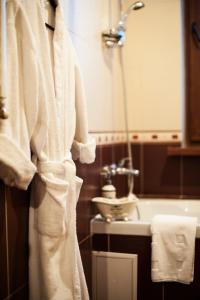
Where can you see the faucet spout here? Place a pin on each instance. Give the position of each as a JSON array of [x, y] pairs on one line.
[[126, 171], [119, 169]]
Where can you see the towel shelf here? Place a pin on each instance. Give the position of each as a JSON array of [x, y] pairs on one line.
[[184, 151]]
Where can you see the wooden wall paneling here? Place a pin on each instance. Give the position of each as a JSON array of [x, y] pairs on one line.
[[192, 51]]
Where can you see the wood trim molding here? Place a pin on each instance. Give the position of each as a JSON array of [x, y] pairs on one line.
[[184, 151]]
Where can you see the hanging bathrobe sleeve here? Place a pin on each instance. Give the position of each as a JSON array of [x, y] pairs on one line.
[[84, 145], [25, 102]]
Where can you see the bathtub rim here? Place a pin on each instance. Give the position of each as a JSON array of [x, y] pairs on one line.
[[133, 227]]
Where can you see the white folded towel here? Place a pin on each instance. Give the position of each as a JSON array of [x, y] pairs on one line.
[[173, 247]]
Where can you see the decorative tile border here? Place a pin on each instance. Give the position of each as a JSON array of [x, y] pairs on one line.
[[105, 138]]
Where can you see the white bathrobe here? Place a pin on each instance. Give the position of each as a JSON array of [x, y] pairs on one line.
[[55, 268], [26, 102]]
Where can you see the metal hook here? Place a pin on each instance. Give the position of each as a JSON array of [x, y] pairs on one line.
[[195, 31], [3, 110]]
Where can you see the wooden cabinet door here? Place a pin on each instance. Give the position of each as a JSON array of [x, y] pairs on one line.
[[192, 51]]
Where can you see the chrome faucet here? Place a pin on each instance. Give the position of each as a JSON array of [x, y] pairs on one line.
[[119, 169]]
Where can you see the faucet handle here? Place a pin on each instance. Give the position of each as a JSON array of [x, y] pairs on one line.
[[109, 171], [105, 171]]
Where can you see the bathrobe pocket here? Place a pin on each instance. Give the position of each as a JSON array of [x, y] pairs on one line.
[[51, 211]]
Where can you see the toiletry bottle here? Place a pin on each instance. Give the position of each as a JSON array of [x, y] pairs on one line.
[[108, 190]]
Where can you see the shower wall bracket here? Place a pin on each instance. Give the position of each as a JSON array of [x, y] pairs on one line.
[[113, 38]]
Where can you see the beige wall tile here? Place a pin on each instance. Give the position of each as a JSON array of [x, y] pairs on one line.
[[152, 63]]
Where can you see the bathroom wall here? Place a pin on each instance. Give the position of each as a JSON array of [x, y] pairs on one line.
[[100, 66], [14, 207], [152, 59], [154, 123]]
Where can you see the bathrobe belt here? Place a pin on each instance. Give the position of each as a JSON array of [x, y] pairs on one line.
[[56, 167]]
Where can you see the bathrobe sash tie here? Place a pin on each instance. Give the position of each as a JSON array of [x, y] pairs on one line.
[[57, 167]]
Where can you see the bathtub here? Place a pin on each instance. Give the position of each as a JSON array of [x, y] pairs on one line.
[[139, 223]]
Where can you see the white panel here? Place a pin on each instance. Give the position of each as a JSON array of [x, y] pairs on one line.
[[114, 276]]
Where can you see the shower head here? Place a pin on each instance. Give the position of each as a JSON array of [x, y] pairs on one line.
[[135, 6], [116, 36]]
